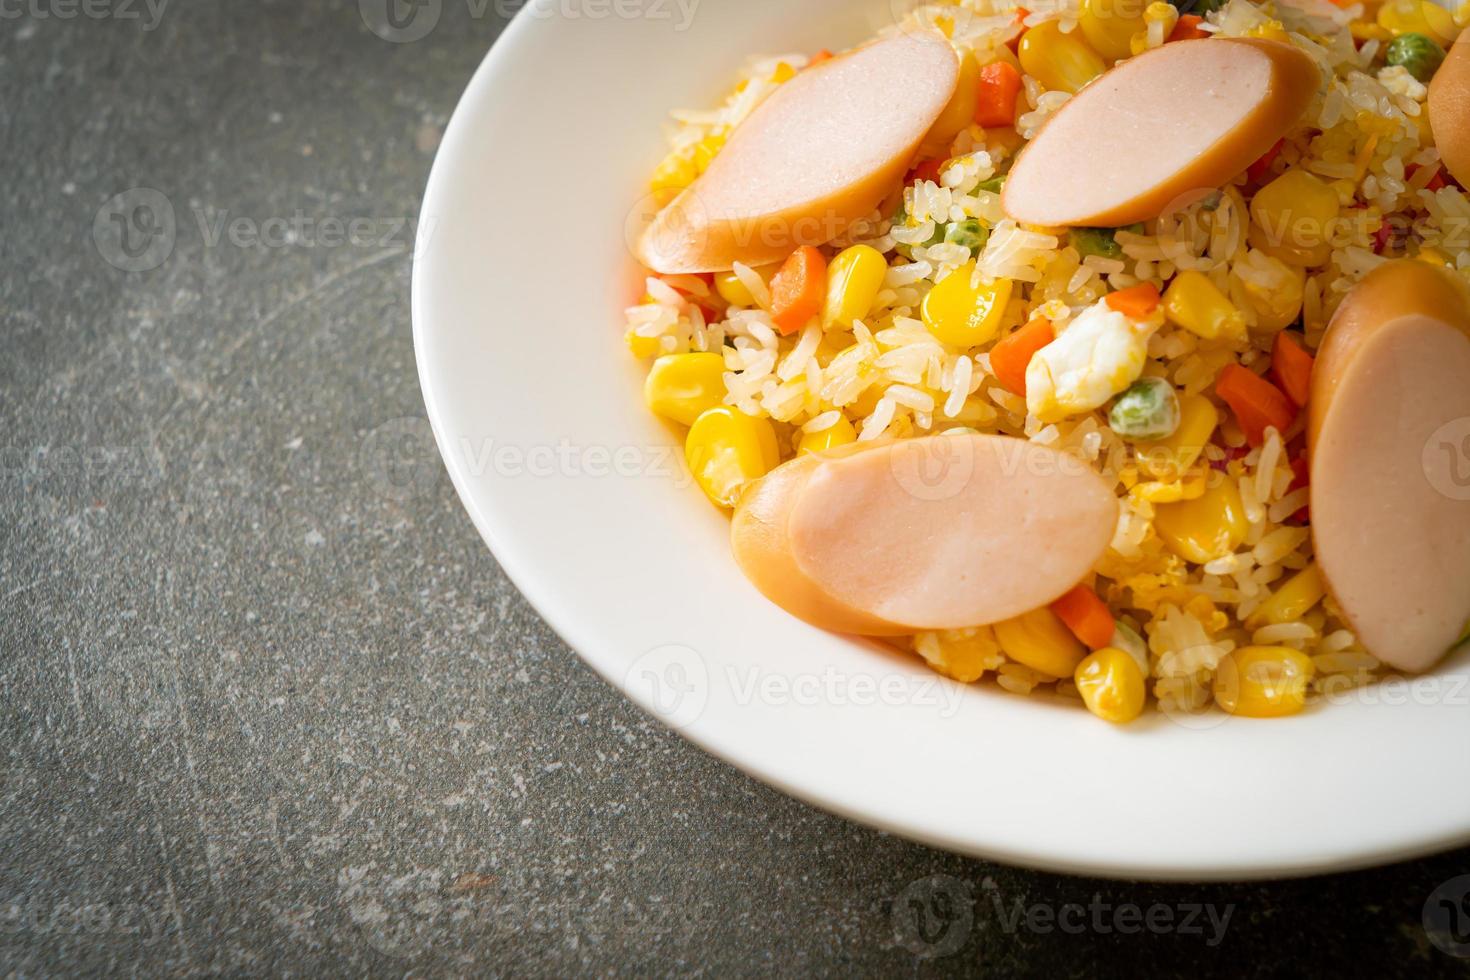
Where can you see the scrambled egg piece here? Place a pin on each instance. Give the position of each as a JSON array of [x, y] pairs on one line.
[[1098, 355]]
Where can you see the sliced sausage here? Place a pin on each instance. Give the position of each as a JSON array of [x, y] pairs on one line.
[[1160, 131], [1389, 441], [1449, 111], [818, 154], [942, 532]]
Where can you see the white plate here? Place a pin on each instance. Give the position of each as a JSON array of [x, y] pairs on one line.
[[518, 290]]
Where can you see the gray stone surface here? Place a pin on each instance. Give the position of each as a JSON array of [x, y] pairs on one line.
[[269, 706]]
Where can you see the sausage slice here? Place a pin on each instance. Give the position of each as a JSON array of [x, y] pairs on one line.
[[818, 154], [1449, 110], [942, 532], [1389, 442], [1159, 131]]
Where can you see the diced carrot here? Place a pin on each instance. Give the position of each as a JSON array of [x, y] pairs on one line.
[[1087, 617], [1138, 302], [1010, 358], [1000, 87], [1291, 366], [819, 57], [798, 289], [930, 169], [1256, 402], [1257, 171], [1437, 182], [1187, 29]]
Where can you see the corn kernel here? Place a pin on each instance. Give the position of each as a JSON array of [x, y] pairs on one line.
[[1270, 30], [1169, 459], [963, 655], [1209, 527], [1060, 62], [831, 437], [1291, 601], [1418, 17], [1294, 217], [1109, 25], [1191, 488], [1165, 15], [705, 150], [854, 278], [1195, 303], [963, 315], [683, 387], [676, 172], [1263, 682], [1364, 33], [734, 292], [958, 114], [726, 450], [643, 347], [1433, 256], [783, 73], [1112, 685], [1041, 641], [1278, 304]]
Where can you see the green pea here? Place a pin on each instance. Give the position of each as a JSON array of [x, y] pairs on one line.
[[970, 233], [1147, 410], [1416, 52], [1096, 241], [991, 186]]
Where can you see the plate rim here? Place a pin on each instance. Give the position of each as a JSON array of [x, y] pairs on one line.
[[549, 607]]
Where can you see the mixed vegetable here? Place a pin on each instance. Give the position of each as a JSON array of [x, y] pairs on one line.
[[1098, 360]]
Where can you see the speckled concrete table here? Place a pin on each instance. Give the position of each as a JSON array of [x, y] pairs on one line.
[[270, 707]]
